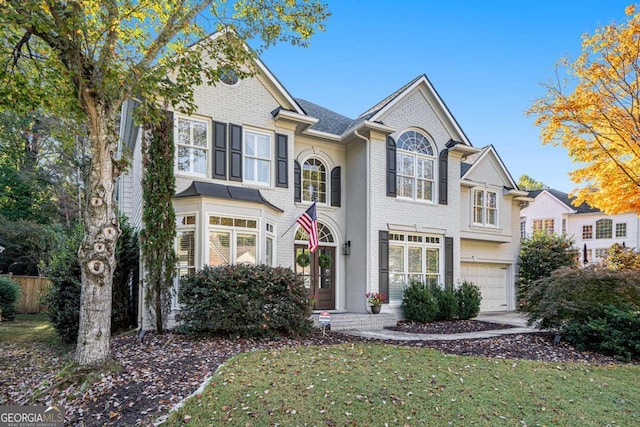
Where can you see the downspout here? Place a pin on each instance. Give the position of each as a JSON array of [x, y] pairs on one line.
[[368, 210]]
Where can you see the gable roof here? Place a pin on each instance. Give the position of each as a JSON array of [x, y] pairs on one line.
[[565, 199], [374, 113], [466, 168]]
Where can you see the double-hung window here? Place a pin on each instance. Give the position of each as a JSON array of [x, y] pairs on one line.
[[232, 240], [257, 158], [485, 207], [415, 167], [413, 257], [192, 145]]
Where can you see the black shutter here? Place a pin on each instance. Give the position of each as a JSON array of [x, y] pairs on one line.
[[448, 262], [443, 169], [235, 153], [391, 167], [282, 161], [297, 182], [383, 263], [219, 150], [336, 191]]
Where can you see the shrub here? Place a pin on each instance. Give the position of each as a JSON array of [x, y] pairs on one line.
[[447, 303], [574, 295], [468, 297], [63, 296], [63, 269], [541, 255], [9, 294], [418, 303], [244, 300], [612, 330]]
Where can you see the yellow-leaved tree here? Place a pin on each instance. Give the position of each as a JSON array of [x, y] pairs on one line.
[[594, 112]]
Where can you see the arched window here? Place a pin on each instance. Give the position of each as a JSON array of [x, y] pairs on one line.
[[314, 181], [324, 234], [415, 167]]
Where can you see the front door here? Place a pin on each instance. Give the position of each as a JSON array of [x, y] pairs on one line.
[[319, 275]]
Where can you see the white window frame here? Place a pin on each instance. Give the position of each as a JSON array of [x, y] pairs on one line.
[[621, 230], [233, 231], [305, 195], [587, 232], [270, 235], [192, 147], [414, 178], [547, 226], [256, 159], [484, 208], [603, 225], [426, 242], [175, 303]]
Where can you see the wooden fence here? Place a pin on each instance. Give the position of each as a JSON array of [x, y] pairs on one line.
[[33, 287]]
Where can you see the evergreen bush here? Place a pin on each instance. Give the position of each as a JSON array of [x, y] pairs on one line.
[[418, 303], [611, 330], [244, 300], [468, 297], [9, 295], [447, 303]]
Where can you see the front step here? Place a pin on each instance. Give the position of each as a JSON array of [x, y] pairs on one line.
[[359, 321]]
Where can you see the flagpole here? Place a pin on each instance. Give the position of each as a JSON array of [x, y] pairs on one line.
[[291, 226]]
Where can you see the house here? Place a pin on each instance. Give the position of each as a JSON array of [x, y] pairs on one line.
[[401, 193], [593, 231]]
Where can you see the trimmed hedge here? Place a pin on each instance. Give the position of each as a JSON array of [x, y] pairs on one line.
[[244, 300], [468, 296], [418, 303]]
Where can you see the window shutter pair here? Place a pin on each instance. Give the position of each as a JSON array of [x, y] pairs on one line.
[[233, 155], [224, 153], [336, 184]]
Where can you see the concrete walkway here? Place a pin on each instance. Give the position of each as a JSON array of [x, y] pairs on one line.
[[507, 318]]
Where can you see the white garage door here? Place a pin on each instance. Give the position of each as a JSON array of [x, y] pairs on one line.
[[492, 281]]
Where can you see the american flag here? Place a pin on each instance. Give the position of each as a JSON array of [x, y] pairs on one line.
[[309, 222]]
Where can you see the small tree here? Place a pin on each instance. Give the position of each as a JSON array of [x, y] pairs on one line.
[[621, 258], [539, 256]]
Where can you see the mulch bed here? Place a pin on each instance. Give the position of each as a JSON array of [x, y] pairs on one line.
[[151, 376], [448, 327]]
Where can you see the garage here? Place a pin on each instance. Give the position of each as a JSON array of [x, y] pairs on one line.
[[492, 281]]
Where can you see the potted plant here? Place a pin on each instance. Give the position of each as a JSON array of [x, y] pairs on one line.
[[375, 300]]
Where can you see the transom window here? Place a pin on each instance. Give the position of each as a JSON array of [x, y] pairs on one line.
[[192, 142], [232, 240], [485, 207], [257, 158], [545, 226], [314, 181], [324, 234], [604, 229], [413, 257], [415, 167]]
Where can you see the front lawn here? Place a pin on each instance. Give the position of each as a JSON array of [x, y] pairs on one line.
[[377, 384]]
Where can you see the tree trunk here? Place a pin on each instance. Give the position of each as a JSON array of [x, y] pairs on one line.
[[97, 252]]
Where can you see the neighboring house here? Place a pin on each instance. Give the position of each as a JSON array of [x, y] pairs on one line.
[[401, 192], [592, 230]]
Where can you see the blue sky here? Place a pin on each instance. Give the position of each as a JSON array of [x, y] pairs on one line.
[[486, 59]]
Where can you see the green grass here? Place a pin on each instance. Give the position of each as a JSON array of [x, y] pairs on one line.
[[28, 328], [377, 385]]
